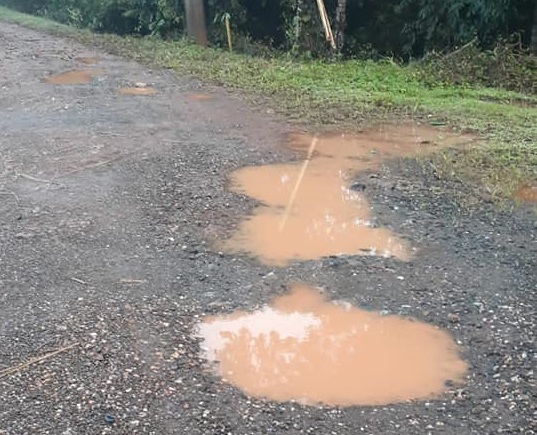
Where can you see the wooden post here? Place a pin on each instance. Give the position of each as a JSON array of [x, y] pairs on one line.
[[195, 21], [326, 24]]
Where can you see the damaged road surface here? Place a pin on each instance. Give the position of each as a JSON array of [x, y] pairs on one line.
[[117, 205]]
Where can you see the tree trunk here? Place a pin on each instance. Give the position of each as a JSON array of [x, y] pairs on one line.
[[341, 21], [195, 21], [534, 30], [298, 24]]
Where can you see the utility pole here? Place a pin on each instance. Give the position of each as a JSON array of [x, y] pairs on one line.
[[195, 21]]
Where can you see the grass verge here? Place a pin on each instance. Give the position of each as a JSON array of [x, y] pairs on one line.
[[350, 93]]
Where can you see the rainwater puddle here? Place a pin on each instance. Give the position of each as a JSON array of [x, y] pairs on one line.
[[526, 193], [309, 210], [87, 60], [146, 90], [75, 77], [199, 97], [305, 349]]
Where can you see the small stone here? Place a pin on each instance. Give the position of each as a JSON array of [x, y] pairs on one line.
[[358, 186], [454, 318], [23, 235]]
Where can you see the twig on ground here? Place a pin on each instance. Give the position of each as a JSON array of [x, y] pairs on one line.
[[78, 280], [18, 368], [93, 166], [29, 177], [13, 194]]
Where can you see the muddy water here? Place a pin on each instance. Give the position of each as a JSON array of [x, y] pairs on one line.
[[75, 77], [326, 217], [87, 60], [138, 91], [526, 193], [199, 97], [305, 349]]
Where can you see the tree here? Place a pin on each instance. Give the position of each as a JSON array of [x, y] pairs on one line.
[[341, 21], [534, 30], [195, 21]]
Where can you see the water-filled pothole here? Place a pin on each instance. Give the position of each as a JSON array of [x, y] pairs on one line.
[[309, 210], [87, 60], [75, 77], [305, 349], [200, 97], [526, 193], [138, 90]]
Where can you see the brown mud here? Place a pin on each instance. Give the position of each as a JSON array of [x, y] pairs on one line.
[[74, 77]]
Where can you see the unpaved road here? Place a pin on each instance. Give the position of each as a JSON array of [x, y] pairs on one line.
[[108, 206]]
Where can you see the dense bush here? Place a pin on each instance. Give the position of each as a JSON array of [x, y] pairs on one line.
[[403, 28], [505, 66]]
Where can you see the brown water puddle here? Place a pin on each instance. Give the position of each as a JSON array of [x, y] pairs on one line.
[[87, 60], [526, 193], [199, 97], [326, 216], [148, 90], [305, 349], [75, 77]]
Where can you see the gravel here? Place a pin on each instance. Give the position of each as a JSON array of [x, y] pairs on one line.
[[109, 206]]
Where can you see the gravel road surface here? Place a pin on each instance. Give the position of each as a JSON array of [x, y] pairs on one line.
[[109, 206]]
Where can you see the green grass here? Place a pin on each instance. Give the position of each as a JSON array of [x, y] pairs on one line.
[[348, 94]]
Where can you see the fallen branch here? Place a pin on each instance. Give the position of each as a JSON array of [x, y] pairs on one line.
[[15, 369], [465, 46], [93, 165], [29, 177], [13, 194]]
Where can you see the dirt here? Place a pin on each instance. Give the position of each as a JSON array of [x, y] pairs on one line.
[[110, 206]]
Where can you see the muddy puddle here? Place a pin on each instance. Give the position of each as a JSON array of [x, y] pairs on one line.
[[87, 60], [526, 193], [199, 97], [309, 209], [305, 349], [75, 77], [141, 90]]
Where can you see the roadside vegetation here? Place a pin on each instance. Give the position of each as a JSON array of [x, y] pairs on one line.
[[486, 85]]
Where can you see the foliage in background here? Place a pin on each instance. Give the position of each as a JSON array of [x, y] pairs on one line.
[[402, 28], [349, 93], [440, 24], [504, 67]]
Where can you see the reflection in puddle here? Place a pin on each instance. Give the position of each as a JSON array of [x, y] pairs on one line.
[[82, 76], [148, 90], [305, 349], [326, 217], [526, 193]]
